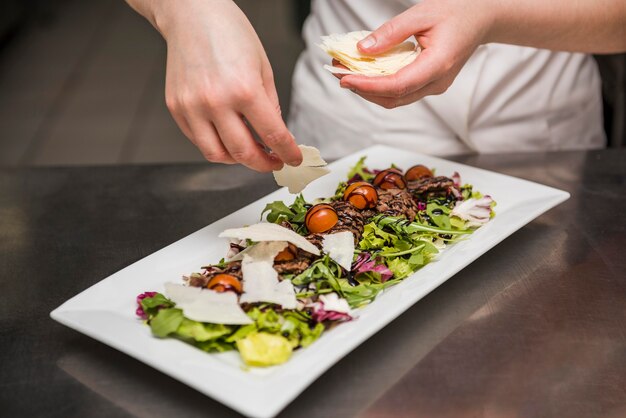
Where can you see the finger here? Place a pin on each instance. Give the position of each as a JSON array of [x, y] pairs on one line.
[[207, 139], [240, 144], [392, 32], [270, 89], [336, 63], [182, 123], [421, 72], [272, 130], [392, 103]]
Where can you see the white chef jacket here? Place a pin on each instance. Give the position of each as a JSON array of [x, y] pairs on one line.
[[505, 99]]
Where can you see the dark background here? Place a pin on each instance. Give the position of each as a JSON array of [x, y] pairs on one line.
[[82, 82]]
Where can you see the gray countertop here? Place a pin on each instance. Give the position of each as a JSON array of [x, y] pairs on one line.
[[534, 328]]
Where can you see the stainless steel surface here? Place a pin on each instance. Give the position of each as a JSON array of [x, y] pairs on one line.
[[534, 328]]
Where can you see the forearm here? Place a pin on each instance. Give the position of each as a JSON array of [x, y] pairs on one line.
[[592, 26], [165, 15]]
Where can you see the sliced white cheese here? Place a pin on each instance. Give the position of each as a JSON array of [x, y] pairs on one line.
[[332, 302], [261, 284], [340, 247], [205, 305], [265, 231], [343, 47], [297, 178], [263, 251]]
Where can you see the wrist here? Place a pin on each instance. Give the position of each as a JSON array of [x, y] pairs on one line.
[[496, 21]]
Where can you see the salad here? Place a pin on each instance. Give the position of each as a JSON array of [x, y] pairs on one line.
[[309, 266]]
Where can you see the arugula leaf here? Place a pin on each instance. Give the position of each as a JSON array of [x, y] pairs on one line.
[[166, 322], [277, 209], [152, 305], [321, 269], [294, 214], [402, 226]]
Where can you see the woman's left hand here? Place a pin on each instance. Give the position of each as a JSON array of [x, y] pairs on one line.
[[448, 31]]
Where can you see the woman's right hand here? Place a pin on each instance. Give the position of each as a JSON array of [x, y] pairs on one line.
[[218, 79]]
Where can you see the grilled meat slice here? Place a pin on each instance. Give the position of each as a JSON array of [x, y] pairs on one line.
[[350, 219], [201, 280], [396, 202], [295, 266], [426, 187]]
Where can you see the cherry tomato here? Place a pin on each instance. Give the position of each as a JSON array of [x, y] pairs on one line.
[[390, 178], [417, 172], [361, 195], [321, 218], [224, 282]]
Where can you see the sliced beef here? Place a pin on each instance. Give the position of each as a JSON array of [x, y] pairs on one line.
[[396, 202], [426, 187], [295, 266], [350, 219], [201, 280]]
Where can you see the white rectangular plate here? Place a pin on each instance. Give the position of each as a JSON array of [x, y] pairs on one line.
[[106, 311]]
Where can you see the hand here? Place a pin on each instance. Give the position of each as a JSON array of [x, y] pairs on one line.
[[449, 31], [218, 79]]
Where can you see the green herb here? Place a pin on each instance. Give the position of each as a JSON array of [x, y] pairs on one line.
[[294, 214], [403, 226], [359, 168], [166, 322]]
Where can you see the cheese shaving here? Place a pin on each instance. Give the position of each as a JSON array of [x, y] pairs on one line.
[[262, 252], [265, 231], [205, 305], [343, 48], [340, 247], [260, 279], [297, 178]]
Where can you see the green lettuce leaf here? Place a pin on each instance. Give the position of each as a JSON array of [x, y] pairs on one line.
[[166, 322], [199, 331], [359, 169]]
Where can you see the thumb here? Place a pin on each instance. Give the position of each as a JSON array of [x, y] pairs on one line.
[[390, 34]]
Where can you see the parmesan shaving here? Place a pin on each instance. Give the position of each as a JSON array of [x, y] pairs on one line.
[[205, 305], [262, 252], [260, 279], [340, 247], [265, 231], [343, 48], [297, 178]]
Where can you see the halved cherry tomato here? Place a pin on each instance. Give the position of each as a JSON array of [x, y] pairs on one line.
[[321, 218], [361, 195], [224, 282]]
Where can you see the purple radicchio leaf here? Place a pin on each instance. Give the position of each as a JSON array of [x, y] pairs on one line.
[[355, 178], [140, 312], [475, 211], [364, 263], [456, 179], [331, 308]]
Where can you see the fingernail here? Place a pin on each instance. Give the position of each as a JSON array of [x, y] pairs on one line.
[[368, 42]]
